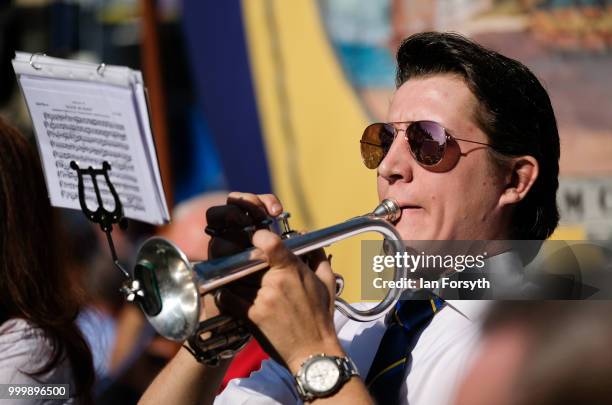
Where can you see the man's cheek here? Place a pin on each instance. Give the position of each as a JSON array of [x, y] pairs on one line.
[[443, 221]]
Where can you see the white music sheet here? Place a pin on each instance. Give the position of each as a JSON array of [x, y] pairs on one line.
[[92, 122]]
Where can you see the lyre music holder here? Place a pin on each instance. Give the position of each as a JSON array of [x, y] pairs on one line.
[[105, 218]]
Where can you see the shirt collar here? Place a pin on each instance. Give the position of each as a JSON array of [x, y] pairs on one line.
[[469, 309], [509, 263]]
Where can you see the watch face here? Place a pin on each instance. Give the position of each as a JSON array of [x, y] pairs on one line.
[[322, 375]]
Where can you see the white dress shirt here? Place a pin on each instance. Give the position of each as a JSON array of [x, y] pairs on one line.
[[440, 358]]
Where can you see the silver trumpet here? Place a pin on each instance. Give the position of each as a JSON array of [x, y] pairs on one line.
[[168, 287]]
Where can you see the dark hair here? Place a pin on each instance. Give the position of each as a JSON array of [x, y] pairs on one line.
[[34, 279], [514, 111]]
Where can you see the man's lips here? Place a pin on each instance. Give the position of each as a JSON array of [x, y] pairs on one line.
[[407, 209], [408, 206], [403, 203]]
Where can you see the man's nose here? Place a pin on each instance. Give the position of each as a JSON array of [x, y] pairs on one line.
[[398, 163]]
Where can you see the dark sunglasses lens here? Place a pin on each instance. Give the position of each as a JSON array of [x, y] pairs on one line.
[[375, 143], [427, 141]]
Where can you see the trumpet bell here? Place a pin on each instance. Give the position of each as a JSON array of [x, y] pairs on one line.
[[167, 276]]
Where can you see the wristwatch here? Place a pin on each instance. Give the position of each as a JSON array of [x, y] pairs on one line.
[[321, 376]]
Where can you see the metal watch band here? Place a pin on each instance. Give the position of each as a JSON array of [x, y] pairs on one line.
[[347, 370]]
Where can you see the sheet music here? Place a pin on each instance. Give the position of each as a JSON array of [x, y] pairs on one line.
[[152, 156], [92, 122]]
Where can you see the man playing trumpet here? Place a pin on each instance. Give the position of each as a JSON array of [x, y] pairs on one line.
[[470, 152]]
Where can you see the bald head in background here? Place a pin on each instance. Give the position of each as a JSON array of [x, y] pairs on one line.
[[188, 222]]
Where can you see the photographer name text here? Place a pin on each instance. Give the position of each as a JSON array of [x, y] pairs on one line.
[[442, 283]]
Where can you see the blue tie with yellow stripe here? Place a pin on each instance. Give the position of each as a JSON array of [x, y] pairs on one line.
[[405, 323]]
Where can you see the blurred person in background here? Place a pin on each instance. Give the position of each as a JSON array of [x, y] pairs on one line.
[[470, 152], [543, 353], [40, 342]]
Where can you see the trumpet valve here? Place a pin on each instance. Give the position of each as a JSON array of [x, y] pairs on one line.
[[285, 228]]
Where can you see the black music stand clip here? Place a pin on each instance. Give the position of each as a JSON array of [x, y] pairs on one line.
[[105, 218]]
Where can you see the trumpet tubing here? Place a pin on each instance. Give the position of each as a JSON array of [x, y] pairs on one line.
[[171, 285]]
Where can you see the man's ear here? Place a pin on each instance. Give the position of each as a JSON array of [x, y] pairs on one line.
[[524, 172]]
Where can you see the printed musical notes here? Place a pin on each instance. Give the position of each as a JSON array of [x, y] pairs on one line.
[[79, 115]]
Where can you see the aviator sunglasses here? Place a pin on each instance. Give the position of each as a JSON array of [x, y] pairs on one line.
[[430, 144]]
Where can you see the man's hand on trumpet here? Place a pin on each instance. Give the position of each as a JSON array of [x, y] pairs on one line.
[[290, 305]]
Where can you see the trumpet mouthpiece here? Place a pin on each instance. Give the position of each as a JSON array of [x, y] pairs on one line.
[[387, 209]]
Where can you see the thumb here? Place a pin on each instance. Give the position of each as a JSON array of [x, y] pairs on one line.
[[324, 272]]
